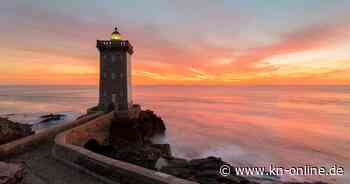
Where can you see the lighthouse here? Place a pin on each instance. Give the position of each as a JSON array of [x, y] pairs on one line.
[[115, 88]]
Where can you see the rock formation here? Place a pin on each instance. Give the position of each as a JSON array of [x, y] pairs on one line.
[[51, 117], [136, 131], [10, 131], [11, 173], [130, 141]]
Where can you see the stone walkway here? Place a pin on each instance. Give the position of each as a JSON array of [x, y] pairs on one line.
[[42, 168]]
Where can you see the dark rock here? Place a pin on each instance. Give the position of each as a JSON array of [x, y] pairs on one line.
[[11, 173], [205, 170], [207, 163], [179, 172], [93, 145], [178, 163], [231, 179], [209, 174], [136, 131], [10, 131], [51, 117], [146, 156], [164, 148], [234, 179], [131, 139], [208, 181], [124, 130], [150, 119]]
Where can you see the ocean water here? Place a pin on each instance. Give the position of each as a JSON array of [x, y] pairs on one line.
[[289, 126], [25, 104]]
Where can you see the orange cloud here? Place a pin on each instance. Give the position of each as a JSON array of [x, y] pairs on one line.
[[226, 65], [65, 53]]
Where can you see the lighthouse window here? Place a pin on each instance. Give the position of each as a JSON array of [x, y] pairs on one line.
[[113, 76], [104, 75], [114, 98]]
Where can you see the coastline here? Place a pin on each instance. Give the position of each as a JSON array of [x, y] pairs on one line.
[[179, 164]]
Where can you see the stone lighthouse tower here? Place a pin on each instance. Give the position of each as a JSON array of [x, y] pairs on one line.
[[115, 73]]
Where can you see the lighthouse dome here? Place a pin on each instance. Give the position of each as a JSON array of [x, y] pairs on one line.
[[116, 35]]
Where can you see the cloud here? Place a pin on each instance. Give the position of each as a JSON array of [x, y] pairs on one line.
[[162, 52], [149, 75], [209, 58], [310, 38]]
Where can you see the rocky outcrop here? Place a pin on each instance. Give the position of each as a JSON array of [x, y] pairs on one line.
[[144, 155], [11, 173], [201, 170], [130, 141], [10, 131], [136, 131], [51, 117], [158, 157]]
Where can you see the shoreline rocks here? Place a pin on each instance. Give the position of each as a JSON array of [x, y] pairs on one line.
[[10, 131], [131, 141], [136, 131], [51, 117], [11, 173]]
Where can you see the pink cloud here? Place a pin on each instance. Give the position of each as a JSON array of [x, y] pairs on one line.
[[310, 38], [199, 53], [62, 35]]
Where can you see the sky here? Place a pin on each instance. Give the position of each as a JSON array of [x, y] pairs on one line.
[[180, 42]]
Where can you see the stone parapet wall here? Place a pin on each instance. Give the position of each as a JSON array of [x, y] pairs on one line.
[[20, 145], [97, 129]]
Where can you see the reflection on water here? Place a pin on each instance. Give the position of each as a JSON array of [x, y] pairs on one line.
[[246, 125], [24, 99]]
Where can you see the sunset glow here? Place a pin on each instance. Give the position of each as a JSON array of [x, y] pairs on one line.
[[221, 42]]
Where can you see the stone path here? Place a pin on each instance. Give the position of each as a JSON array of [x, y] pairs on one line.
[[42, 168]]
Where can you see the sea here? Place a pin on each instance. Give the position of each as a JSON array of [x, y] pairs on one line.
[[247, 126]]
